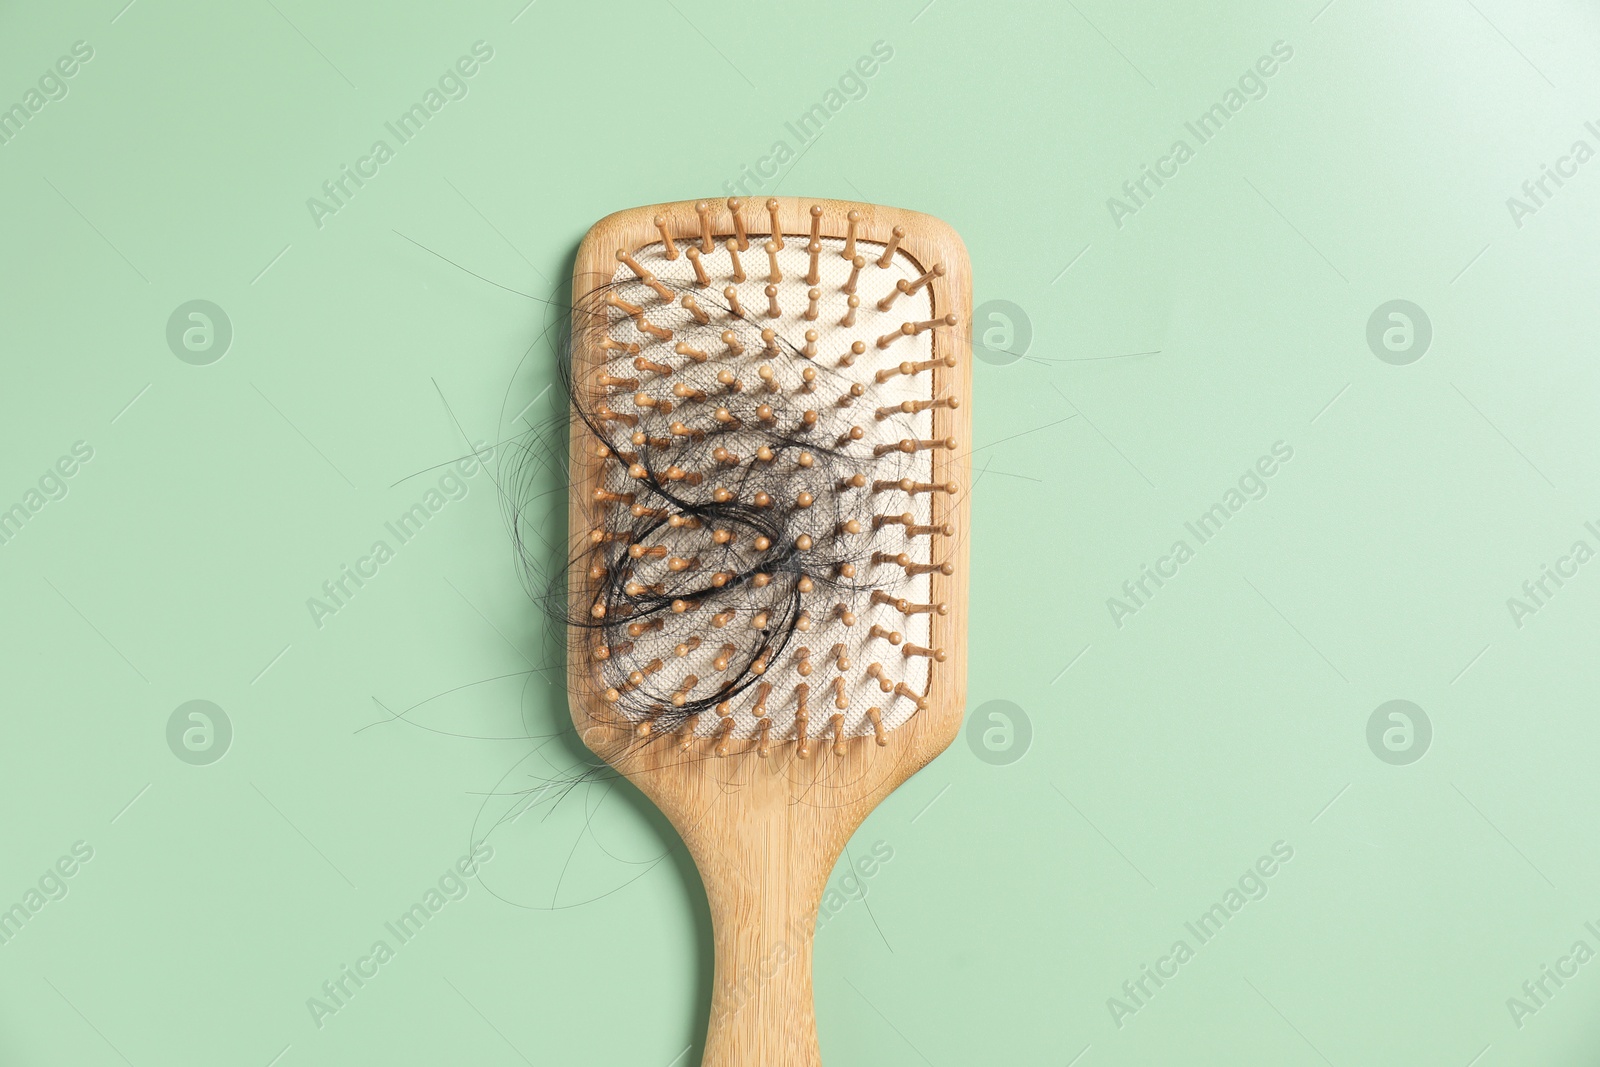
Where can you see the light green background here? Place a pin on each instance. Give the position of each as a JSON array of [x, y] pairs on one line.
[[1168, 354]]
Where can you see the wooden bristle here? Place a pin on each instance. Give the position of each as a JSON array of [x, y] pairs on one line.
[[905, 330], [633, 264], [850, 312], [936, 272], [703, 209], [900, 287], [662, 291], [686, 732], [736, 209], [879, 734], [855, 273], [777, 227], [694, 309], [666, 238], [895, 237], [701, 278]]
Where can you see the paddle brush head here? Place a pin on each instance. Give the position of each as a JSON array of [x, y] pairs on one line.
[[768, 480]]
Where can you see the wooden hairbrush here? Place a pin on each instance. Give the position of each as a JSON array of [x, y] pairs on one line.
[[767, 590]]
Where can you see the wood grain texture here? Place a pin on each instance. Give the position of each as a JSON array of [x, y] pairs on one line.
[[765, 833]]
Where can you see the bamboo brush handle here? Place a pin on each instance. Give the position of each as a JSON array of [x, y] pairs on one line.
[[764, 870]]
